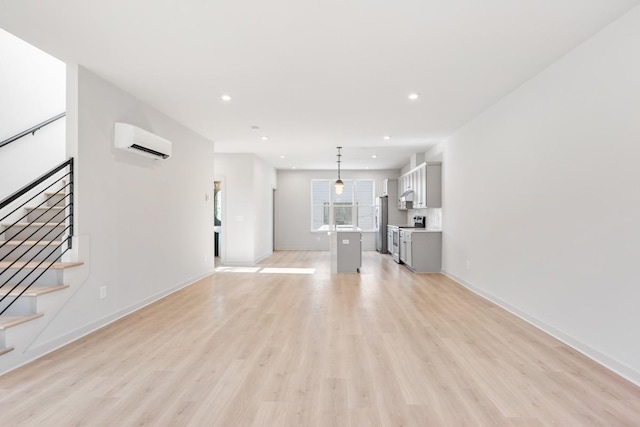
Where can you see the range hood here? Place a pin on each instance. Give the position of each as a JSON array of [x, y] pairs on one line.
[[407, 192]]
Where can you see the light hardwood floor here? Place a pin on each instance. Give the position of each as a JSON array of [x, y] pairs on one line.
[[383, 348]]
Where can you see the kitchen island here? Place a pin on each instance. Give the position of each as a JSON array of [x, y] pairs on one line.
[[345, 244]]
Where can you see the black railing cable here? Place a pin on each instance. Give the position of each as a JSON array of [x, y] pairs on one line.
[[42, 245], [34, 183], [53, 228], [33, 259], [35, 221], [34, 196], [19, 242], [31, 130], [34, 280]]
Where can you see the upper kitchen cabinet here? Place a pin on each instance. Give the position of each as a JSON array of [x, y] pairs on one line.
[[389, 187], [422, 185], [433, 190], [406, 191]]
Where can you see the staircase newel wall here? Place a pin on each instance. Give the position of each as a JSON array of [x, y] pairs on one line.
[[144, 228]]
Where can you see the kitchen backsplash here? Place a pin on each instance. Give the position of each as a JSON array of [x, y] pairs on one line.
[[433, 217]]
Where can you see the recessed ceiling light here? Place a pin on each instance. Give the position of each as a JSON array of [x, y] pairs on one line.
[[226, 97], [282, 157], [264, 138], [366, 167], [386, 137], [413, 96], [293, 167], [374, 157]]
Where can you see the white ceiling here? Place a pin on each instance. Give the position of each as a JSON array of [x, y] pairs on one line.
[[314, 74]]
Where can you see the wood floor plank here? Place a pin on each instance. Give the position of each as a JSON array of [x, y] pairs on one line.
[[385, 347]]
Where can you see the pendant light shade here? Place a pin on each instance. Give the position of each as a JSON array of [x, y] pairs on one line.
[[339, 184]]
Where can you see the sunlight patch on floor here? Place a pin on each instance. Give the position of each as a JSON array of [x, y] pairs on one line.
[[288, 270], [266, 270], [237, 269]]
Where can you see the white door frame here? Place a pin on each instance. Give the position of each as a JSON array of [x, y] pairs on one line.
[[222, 239]]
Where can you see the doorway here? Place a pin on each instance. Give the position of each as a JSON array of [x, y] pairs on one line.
[[273, 220], [217, 217]]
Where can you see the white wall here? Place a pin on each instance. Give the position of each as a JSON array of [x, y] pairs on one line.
[[436, 153], [32, 90], [144, 225], [541, 198], [293, 206], [264, 183], [247, 217], [236, 238]]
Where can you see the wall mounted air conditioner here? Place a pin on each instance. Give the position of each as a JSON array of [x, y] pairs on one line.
[[135, 140]]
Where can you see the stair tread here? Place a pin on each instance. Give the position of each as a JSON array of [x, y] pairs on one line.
[[30, 243], [5, 350], [34, 264], [10, 321], [33, 291]]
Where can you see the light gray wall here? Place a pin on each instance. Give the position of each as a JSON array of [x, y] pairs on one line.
[[264, 182], [293, 207], [541, 199], [238, 222], [32, 84], [144, 225], [247, 218], [436, 153]]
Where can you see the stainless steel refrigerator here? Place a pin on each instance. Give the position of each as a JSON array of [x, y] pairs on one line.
[[381, 222]]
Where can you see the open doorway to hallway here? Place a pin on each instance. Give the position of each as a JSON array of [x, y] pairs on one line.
[[217, 217]]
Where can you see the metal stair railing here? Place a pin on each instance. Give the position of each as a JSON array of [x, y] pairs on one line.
[[32, 130], [60, 233]]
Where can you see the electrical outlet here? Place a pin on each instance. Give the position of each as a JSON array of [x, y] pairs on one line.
[[103, 292], [468, 265], [206, 259]]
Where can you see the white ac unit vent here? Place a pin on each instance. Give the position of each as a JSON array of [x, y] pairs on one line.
[[135, 140]]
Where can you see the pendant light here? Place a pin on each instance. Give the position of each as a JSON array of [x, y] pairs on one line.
[[339, 184]]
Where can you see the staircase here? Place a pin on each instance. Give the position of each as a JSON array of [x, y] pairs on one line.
[[35, 237]]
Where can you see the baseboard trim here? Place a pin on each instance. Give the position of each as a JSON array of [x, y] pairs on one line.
[[263, 257], [610, 363], [245, 263], [57, 343]]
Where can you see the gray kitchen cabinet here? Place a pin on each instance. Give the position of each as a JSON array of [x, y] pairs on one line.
[[433, 185], [346, 250], [421, 251], [405, 247]]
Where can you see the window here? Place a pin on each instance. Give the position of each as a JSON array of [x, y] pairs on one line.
[[364, 195], [353, 207], [320, 202]]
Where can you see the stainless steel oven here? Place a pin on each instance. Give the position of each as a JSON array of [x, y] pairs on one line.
[[418, 222], [396, 244]]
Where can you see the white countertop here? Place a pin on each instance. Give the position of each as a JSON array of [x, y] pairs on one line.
[[419, 230], [338, 228]]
